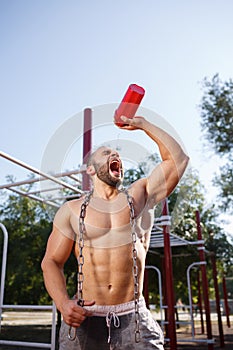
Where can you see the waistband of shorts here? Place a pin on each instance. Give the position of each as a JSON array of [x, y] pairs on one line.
[[118, 309]]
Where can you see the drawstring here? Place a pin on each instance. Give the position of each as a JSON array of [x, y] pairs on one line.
[[111, 315]]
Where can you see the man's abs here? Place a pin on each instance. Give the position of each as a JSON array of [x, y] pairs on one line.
[[108, 274]]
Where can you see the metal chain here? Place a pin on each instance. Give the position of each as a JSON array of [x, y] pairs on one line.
[[135, 266], [80, 276], [82, 231]]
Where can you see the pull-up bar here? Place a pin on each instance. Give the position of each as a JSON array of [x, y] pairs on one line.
[[39, 172]]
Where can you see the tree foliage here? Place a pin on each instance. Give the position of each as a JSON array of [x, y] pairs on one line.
[[217, 114], [216, 110], [29, 224], [186, 199]]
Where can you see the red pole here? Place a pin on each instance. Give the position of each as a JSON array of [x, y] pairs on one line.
[[169, 281], [226, 301], [165, 297], [200, 304], [87, 144], [204, 281], [220, 328]]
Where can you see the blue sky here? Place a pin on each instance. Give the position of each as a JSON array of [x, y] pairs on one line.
[[58, 57]]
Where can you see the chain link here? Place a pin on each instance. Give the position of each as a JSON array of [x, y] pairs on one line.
[[80, 275], [82, 232], [135, 266]]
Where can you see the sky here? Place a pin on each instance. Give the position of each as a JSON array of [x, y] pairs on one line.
[[59, 57]]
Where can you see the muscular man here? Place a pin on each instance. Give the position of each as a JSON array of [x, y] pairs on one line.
[[113, 236]]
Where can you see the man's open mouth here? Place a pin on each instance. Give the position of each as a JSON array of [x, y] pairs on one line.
[[115, 168]]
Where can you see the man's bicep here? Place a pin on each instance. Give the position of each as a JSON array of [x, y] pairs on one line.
[[161, 181]]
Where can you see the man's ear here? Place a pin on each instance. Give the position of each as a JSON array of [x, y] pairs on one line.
[[90, 170]]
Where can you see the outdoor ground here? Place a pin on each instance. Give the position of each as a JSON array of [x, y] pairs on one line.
[[28, 327], [228, 338]]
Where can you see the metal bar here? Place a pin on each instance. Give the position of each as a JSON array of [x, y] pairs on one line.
[[67, 197], [146, 287], [41, 178], [190, 291], [204, 281], [196, 242], [217, 298], [75, 178], [26, 344], [39, 172], [200, 303], [87, 144], [3, 271], [227, 310], [169, 282], [53, 331], [28, 307], [19, 183], [165, 306], [48, 190], [184, 322], [45, 190], [25, 194], [25, 307], [160, 288], [195, 340]]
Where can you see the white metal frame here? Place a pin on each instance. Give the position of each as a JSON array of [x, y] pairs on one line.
[[190, 306], [20, 186], [148, 267], [22, 307], [156, 240]]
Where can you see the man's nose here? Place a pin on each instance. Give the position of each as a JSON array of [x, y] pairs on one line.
[[114, 155]]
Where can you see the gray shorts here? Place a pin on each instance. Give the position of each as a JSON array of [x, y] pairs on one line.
[[113, 328]]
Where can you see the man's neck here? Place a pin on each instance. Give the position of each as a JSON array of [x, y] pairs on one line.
[[105, 192]]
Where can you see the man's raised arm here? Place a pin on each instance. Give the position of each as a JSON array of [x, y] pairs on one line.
[[167, 174]]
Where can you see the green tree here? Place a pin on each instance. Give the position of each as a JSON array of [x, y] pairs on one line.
[[216, 110], [189, 196], [28, 224]]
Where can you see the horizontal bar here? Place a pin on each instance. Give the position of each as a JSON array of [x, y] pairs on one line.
[[41, 178], [75, 178], [194, 340], [183, 322], [39, 172], [50, 189], [25, 194], [68, 196], [27, 307], [22, 343]]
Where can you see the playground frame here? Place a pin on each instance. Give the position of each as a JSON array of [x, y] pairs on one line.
[[160, 236]]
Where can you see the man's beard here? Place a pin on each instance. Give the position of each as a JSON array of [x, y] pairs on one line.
[[103, 174]]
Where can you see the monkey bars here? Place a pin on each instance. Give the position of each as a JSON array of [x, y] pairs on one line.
[[77, 182]]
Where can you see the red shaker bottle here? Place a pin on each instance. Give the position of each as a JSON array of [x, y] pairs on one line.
[[129, 104]]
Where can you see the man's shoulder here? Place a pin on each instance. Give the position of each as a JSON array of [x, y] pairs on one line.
[[68, 207], [137, 186], [73, 203]]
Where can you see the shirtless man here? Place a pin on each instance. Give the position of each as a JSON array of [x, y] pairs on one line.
[[115, 233]]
